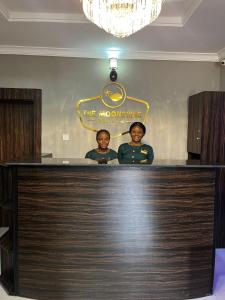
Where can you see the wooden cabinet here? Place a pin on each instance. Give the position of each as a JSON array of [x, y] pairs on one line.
[[20, 140], [206, 127], [206, 142]]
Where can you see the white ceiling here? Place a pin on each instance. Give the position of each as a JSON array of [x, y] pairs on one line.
[[185, 30]]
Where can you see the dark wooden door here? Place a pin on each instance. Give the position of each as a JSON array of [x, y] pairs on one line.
[[17, 131], [213, 122], [20, 123], [195, 108]]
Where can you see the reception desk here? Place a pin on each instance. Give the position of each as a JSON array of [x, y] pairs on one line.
[[79, 230]]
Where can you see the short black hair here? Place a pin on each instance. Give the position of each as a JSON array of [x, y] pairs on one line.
[[102, 131], [137, 124]]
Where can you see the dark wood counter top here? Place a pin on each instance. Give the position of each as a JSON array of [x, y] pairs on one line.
[[113, 163]]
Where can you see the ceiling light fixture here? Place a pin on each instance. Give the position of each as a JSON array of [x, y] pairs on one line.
[[122, 18]]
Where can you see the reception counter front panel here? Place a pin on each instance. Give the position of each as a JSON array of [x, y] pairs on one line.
[[114, 232]]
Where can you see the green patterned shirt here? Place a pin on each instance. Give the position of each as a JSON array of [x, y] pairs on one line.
[[135, 154], [93, 154]]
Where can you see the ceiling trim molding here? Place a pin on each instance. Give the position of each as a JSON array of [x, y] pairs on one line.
[[190, 11], [16, 16], [138, 55], [168, 21], [174, 56], [47, 17], [4, 11], [221, 54], [76, 18]]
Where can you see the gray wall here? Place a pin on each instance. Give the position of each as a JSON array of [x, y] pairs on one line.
[[165, 84], [222, 78]]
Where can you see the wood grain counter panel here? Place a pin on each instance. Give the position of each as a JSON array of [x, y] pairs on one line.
[[115, 233]]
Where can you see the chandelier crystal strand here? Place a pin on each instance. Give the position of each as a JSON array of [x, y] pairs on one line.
[[122, 17]]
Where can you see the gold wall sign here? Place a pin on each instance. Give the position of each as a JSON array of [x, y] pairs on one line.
[[113, 110]]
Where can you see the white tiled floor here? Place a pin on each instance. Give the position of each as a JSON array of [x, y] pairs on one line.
[[219, 281]]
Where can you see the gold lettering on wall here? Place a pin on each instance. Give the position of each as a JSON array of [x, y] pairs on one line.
[[113, 110]]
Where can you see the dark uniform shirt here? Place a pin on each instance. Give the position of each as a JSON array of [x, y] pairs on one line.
[[93, 154], [135, 154]]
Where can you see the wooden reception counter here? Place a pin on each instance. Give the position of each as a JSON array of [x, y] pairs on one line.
[[84, 231]]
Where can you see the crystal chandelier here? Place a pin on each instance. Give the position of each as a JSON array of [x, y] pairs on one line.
[[122, 17]]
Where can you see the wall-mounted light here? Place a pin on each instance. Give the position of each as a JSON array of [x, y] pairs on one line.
[[113, 63], [113, 67]]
